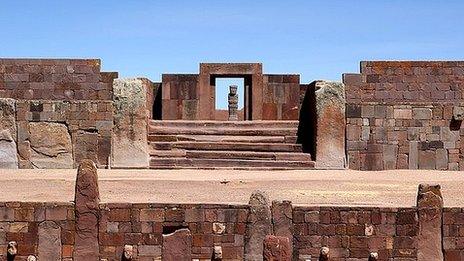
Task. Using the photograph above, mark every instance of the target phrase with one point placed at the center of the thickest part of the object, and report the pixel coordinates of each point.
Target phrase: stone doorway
(231, 106)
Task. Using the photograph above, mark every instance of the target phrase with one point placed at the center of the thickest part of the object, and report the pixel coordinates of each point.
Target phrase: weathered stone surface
(324, 254)
(128, 253)
(87, 213)
(258, 226)
(277, 248)
(177, 246)
(131, 114)
(51, 145)
(282, 220)
(217, 253)
(430, 208)
(426, 159)
(330, 140)
(8, 152)
(49, 247)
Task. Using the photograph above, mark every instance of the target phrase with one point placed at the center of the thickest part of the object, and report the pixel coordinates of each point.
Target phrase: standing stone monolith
(282, 220)
(233, 103)
(177, 246)
(87, 199)
(330, 126)
(430, 210)
(8, 147)
(131, 113)
(258, 226)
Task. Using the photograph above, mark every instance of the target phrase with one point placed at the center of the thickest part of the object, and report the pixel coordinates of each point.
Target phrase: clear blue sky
(318, 39)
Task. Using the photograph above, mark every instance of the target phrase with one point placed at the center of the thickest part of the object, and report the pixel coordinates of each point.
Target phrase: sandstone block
(131, 114)
(177, 246)
(51, 145)
(49, 247)
(277, 248)
(282, 220)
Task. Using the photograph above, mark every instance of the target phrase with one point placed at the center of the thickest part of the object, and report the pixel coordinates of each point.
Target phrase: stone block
(277, 248)
(177, 246)
(130, 145)
(49, 245)
(51, 145)
(458, 113)
(402, 114)
(330, 110)
(422, 113)
(427, 159)
(282, 220)
(441, 159)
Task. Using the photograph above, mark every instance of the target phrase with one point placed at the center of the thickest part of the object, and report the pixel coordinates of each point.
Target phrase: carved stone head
(128, 252)
(12, 248)
(233, 90)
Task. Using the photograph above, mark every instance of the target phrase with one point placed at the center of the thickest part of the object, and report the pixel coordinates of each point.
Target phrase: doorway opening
(221, 88)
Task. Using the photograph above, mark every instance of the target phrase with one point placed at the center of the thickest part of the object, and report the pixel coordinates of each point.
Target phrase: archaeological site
(66, 120)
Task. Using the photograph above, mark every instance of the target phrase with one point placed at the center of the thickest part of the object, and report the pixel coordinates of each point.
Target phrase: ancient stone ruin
(66, 113)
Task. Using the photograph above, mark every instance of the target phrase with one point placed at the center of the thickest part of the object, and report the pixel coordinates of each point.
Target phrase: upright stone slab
(277, 248)
(87, 213)
(282, 220)
(330, 139)
(258, 226)
(8, 151)
(177, 246)
(49, 247)
(131, 114)
(430, 209)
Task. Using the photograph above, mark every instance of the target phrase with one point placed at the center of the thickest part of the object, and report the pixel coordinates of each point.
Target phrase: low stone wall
(260, 230)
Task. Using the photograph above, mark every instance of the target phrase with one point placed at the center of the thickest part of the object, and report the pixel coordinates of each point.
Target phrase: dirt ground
(312, 187)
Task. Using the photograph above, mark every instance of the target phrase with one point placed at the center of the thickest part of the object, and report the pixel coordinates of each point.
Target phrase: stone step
(227, 163)
(223, 138)
(231, 131)
(236, 146)
(223, 124)
(248, 155)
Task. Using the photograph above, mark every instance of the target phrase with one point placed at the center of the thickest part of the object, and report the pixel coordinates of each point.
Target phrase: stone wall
(405, 115)
(62, 112)
(281, 99)
(453, 233)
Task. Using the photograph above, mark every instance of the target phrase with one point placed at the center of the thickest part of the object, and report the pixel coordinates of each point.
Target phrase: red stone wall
(352, 233)
(281, 100)
(20, 222)
(180, 96)
(453, 233)
(55, 79)
(400, 116)
(142, 225)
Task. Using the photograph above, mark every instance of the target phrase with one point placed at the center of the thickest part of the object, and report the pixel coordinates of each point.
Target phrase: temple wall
(63, 111)
(405, 115)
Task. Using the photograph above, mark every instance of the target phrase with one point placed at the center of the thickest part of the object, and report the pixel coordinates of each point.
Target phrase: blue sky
(318, 39)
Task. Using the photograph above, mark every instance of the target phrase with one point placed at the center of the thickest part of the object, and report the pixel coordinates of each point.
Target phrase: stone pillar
(330, 126)
(177, 246)
(49, 247)
(8, 154)
(430, 210)
(233, 103)
(277, 248)
(258, 225)
(87, 199)
(282, 220)
(131, 115)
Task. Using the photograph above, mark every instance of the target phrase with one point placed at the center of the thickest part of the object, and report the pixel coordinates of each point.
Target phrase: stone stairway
(252, 145)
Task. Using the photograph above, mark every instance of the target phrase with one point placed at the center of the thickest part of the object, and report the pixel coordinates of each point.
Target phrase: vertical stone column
(282, 220)
(8, 154)
(87, 199)
(430, 210)
(258, 225)
(233, 103)
(131, 115)
(330, 114)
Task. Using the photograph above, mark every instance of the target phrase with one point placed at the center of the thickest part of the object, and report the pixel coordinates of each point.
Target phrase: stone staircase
(255, 145)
